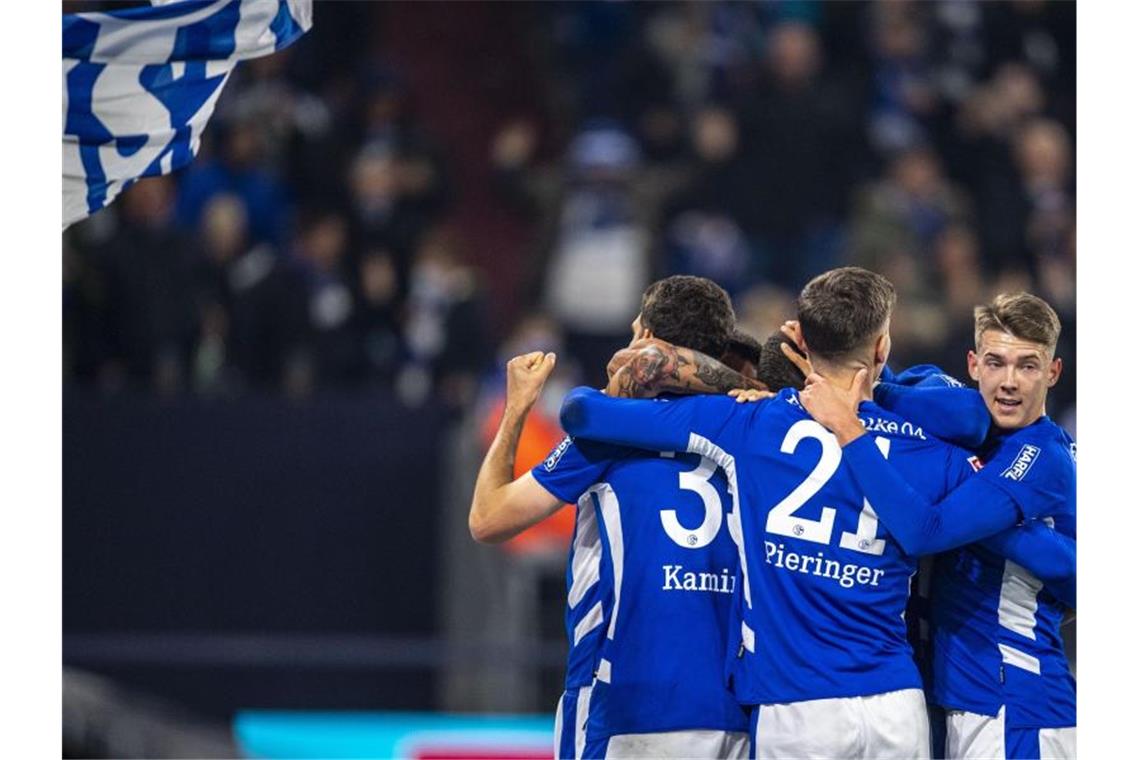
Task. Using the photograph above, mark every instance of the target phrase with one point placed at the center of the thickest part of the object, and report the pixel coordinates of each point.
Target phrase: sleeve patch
(552, 460)
(975, 463)
(1022, 462)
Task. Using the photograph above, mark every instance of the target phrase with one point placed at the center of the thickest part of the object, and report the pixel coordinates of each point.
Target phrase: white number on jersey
(782, 519)
(698, 481)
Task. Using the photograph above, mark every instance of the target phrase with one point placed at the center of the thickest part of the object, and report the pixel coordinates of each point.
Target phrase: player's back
(997, 628)
(654, 558)
(825, 586)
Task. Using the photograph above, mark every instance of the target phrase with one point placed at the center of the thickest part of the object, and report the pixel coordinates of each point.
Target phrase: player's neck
(843, 375)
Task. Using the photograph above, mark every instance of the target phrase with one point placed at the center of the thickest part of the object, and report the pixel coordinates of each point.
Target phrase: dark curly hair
(742, 353)
(693, 312)
(774, 369)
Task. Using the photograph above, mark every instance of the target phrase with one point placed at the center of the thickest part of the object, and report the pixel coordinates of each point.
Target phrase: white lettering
(679, 579)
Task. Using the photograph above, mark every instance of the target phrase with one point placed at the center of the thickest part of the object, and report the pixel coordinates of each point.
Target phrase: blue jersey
(997, 628)
(651, 578)
(997, 635)
(824, 588)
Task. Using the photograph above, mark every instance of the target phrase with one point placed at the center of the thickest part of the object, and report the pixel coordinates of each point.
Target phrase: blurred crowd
(319, 241)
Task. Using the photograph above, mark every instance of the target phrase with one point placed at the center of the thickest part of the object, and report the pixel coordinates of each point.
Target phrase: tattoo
(654, 364)
(662, 367)
(716, 377)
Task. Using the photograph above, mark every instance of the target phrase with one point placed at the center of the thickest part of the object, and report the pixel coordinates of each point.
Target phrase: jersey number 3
(696, 480)
(782, 519)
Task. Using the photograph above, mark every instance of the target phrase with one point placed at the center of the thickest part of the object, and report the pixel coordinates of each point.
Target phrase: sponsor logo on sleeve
(1022, 462)
(976, 463)
(552, 460)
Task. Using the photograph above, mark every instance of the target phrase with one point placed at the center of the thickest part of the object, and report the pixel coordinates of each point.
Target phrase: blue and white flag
(139, 85)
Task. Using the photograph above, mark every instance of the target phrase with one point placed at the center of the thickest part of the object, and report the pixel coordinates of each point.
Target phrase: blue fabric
(975, 590)
(566, 748)
(938, 402)
(141, 83)
(1022, 743)
(824, 588)
(655, 526)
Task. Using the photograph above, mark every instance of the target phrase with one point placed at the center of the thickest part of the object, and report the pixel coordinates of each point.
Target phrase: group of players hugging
(786, 550)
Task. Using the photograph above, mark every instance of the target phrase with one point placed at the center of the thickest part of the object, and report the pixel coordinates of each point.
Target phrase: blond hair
(1022, 315)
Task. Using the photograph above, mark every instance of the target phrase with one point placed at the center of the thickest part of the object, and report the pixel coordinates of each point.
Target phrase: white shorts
(570, 737)
(673, 744)
(880, 726)
(970, 736)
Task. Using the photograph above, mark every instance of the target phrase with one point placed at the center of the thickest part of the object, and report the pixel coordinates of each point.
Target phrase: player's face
(1013, 376)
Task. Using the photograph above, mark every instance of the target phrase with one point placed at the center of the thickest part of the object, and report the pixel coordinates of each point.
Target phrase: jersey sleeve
(572, 467)
(973, 510)
(953, 413)
(1037, 474)
(1050, 555)
(653, 424)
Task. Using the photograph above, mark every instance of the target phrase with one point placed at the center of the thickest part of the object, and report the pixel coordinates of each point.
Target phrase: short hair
(841, 310)
(776, 370)
(1022, 315)
(743, 346)
(687, 311)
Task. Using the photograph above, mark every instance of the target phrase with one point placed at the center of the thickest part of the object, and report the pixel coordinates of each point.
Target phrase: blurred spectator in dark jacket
(377, 316)
(445, 326)
(149, 315)
(985, 160)
(905, 213)
(804, 148)
(904, 95)
(381, 216)
(705, 221)
(1045, 160)
(321, 257)
(251, 306)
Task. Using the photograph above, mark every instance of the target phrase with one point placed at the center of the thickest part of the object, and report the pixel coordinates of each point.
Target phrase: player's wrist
(516, 412)
(849, 431)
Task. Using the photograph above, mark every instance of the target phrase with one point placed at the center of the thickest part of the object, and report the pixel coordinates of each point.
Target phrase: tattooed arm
(650, 367)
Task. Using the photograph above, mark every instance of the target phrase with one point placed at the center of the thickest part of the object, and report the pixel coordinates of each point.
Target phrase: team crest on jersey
(1022, 462)
(552, 460)
(976, 463)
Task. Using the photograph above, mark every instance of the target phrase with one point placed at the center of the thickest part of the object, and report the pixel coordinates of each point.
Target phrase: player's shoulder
(1044, 439)
(926, 376)
(572, 453)
(883, 422)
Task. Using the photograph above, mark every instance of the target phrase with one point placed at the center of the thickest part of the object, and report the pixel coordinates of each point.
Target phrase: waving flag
(139, 85)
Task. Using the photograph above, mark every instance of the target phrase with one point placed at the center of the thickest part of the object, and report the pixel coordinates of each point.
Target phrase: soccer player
(821, 648)
(651, 574)
(1000, 668)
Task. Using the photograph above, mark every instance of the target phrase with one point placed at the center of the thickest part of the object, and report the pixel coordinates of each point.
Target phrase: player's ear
(882, 348)
(1054, 371)
(972, 365)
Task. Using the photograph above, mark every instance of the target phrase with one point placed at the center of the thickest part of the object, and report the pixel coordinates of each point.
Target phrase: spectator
(149, 314)
(803, 147)
(445, 329)
(239, 170)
